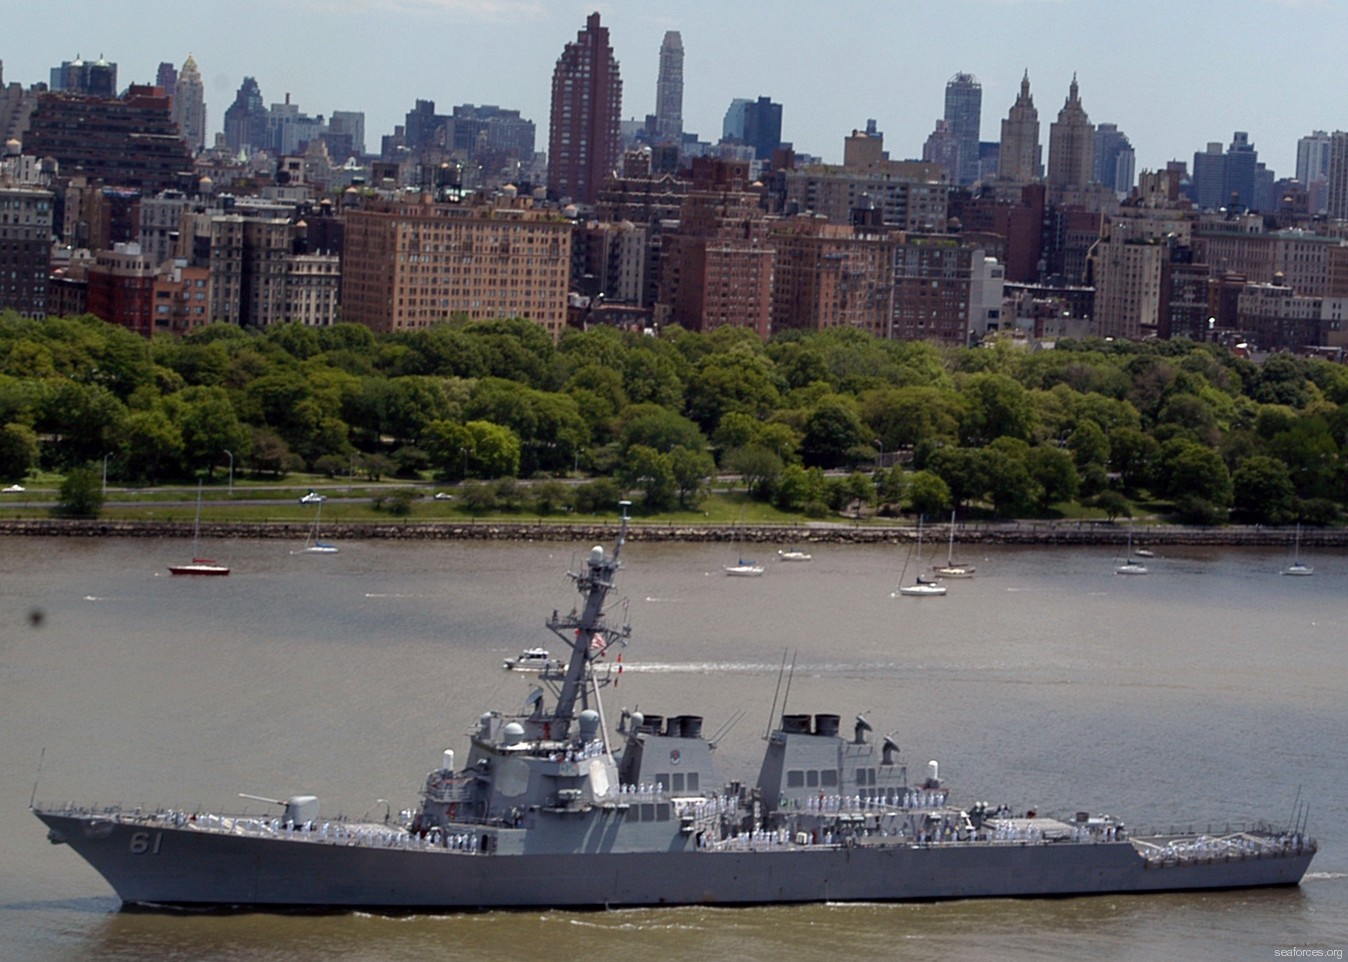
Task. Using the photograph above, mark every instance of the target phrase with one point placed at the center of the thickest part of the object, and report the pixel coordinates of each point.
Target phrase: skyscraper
(1114, 159)
(964, 112)
(1313, 158)
(669, 90)
(1338, 175)
(246, 118)
(1071, 145)
(755, 123)
(1019, 157)
(585, 140)
(1238, 175)
(167, 77)
(189, 105)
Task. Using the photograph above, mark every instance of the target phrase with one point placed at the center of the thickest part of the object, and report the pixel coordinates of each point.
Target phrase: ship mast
(584, 629)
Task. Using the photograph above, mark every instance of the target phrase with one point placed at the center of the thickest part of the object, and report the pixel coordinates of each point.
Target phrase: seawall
(1010, 532)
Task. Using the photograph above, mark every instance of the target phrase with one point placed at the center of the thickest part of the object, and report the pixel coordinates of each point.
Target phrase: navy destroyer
(551, 809)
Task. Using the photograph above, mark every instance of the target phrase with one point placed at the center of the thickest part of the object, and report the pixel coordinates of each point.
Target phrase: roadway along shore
(806, 533)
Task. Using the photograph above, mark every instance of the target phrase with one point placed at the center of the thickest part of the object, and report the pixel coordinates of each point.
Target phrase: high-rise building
(1313, 158)
(763, 127)
(189, 105)
(942, 148)
(1239, 172)
(78, 76)
(964, 112)
(422, 125)
(669, 90)
(1114, 159)
(832, 275)
(349, 123)
(25, 249)
(411, 264)
(1071, 145)
(718, 262)
(585, 136)
(167, 77)
(754, 123)
(1019, 157)
(487, 131)
(246, 119)
(1209, 178)
(131, 142)
(1337, 202)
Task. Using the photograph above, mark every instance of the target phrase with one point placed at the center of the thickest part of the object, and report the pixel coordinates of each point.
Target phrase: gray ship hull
(168, 865)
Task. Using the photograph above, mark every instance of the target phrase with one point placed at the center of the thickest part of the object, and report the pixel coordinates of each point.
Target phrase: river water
(1210, 692)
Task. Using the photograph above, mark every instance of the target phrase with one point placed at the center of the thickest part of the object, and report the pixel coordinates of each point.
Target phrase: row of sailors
(908, 798)
(339, 834)
(591, 749)
(1205, 846)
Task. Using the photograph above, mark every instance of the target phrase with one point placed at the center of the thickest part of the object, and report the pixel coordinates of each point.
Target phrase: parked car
(313, 497)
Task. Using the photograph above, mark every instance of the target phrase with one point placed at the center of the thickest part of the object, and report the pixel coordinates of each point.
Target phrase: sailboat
(1130, 565)
(1297, 567)
(922, 587)
(743, 568)
(198, 564)
(951, 568)
(314, 544)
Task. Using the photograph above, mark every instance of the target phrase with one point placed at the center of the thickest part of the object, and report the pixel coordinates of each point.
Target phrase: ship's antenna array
(772, 712)
(42, 755)
(725, 729)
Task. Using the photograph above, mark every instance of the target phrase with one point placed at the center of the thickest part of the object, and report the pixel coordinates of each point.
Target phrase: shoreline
(999, 532)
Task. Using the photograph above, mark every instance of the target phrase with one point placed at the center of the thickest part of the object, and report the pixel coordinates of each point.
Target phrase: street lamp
(105, 473)
(231, 472)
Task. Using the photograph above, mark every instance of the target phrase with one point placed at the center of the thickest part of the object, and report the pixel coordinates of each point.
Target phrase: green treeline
(1011, 432)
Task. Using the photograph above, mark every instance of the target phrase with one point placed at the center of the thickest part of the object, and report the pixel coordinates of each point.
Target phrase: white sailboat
(198, 565)
(922, 587)
(793, 554)
(1297, 567)
(743, 568)
(952, 568)
(1130, 565)
(314, 544)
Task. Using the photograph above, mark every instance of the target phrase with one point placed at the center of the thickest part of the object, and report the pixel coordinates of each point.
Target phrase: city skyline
(1189, 75)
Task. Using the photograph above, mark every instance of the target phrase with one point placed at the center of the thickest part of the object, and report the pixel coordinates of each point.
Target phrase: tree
(998, 407)
(495, 450)
(81, 494)
(1191, 471)
(799, 487)
(759, 468)
(964, 471)
(659, 428)
(18, 451)
(1113, 504)
(1052, 469)
(153, 445)
(692, 472)
(1011, 488)
(1263, 492)
(832, 429)
(550, 496)
(928, 494)
(649, 471)
(1135, 456)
